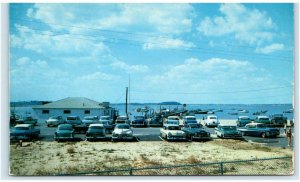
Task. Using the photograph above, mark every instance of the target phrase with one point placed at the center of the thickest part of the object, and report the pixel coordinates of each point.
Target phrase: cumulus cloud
(98, 76)
(270, 48)
(167, 43)
(246, 25)
(129, 68)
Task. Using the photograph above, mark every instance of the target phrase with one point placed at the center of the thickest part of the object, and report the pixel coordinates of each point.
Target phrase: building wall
(42, 116)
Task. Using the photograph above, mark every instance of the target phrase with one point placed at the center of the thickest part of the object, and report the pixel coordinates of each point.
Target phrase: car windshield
(192, 121)
(173, 118)
(195, 126)
(244, 118)
(261, 126)
(71, 118)
(228, 127)
(173, 128)
(64, 127)
(212, 117)
(53, 117)
(96, 127)
(173, 122)
(138, 117)
(22, 128)
(264, 119)
(122, 118)
(123, 126)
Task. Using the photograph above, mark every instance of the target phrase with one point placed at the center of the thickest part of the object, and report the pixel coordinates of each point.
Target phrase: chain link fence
(259, 167)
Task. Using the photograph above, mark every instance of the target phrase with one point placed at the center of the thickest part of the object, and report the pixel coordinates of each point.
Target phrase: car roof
(101, 125)
(212, 116)
(166, 125)
(23, 125)
(173, 117)
(225, 125)
(172, 120)
(244, 117)
(65, 125)
(262, 117)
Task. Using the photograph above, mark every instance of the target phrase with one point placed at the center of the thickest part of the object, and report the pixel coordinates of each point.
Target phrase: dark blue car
(259, 130)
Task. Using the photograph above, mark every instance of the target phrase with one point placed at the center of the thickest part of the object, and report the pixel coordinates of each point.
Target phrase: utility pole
(126, 109)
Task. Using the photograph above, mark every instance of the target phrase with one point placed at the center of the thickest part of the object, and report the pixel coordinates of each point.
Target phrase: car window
(22, 128)
(173, 128)
(123, 126)
(64, 127)
(212, 117)
(229, 127)
(96, 127)
(71, 118)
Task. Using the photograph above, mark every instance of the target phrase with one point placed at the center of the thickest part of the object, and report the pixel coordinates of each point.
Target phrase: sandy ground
(50, 158)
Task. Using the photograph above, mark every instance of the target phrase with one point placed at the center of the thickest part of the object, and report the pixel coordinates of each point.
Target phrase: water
(227, 108)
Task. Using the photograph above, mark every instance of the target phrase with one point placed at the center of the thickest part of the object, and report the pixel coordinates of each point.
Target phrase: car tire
(263, 135)
(48, 125)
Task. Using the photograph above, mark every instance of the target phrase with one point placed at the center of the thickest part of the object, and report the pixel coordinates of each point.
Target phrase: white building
(74, 106)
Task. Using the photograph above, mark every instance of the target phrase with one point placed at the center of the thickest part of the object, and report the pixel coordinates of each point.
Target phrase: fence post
(221, 168)
(130, 172)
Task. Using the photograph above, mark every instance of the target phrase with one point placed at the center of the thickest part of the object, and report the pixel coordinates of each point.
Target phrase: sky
(190, 53)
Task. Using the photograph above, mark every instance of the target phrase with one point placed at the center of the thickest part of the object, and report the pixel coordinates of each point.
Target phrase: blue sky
(191, 53)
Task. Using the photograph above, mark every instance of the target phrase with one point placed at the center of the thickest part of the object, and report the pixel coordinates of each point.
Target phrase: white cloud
(129, 68)
(270, 48)
(166, 43)
(22, 61)
(246, 25)
(98, 76)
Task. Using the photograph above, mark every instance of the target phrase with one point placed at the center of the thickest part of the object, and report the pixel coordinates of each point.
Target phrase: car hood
(13, 131)
(175, 132)
(52, 120)
(230, 131)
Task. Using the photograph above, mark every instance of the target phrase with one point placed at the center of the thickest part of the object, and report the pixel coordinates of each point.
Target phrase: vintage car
(195, 132)
(64, 132)
(262, 119)
(138, 121)
(87, 120)
(122, 131)
(227, 131)
(24, 132)
(73, 120)
(55, 121)
(95, 131)
(243, 120)
(27, 120)
(106, 118)
(189, 120)
(155, 121)
(172, 132)
(122, 120)
(278, 120)
(259, 130)
(211, 121)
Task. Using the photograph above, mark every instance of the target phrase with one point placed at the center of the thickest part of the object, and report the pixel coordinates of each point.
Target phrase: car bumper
(125, 137)
(232, 136)
(24, 137)
(201, 137)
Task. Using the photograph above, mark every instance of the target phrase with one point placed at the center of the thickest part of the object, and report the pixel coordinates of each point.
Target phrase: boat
(243, 111)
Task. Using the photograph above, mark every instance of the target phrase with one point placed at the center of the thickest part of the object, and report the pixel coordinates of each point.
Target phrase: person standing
(289, 136)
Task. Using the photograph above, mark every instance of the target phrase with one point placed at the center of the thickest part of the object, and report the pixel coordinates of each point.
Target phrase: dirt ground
(52, 158)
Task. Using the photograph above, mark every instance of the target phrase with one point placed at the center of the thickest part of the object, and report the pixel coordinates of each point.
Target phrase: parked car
(189, 120)
(138, 121)
(211, 121)
(243, 120)
(278, 120)
(173, 118)
(107, 125)
(259, 130)
(87, 120)
(262, 119)
(95, 131)
(64, 131)
(227, 131)
(195, 132)
(73, 120)
(27, 120)
(122, 131)
(24, 132)
(122, 120)
(155, 121)
(106, 118)
(172, 132)
(55, 121)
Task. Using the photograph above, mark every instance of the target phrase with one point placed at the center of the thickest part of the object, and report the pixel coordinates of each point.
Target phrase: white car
(55, 121)
(172, 132)
(122, 131)
(211, 121)
(87, 120)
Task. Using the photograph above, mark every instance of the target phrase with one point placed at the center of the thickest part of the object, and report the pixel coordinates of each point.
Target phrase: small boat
(243, 111)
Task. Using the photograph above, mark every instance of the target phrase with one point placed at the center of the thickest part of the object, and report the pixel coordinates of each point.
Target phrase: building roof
(72, 103)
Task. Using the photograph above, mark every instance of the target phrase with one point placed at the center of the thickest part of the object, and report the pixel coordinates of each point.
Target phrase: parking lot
(152, 134)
